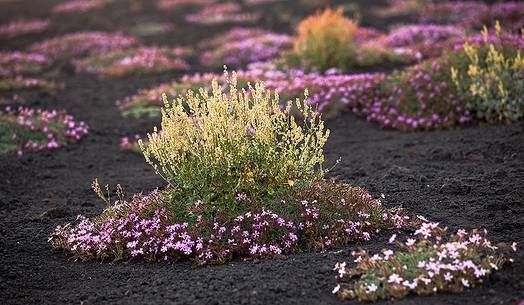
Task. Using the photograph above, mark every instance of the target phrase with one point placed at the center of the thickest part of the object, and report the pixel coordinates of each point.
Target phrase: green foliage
(493, 78)
(214, 147)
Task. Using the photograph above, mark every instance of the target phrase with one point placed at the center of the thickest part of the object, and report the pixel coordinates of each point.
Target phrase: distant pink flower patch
(222, 13)
(21, 83)
(82, 44)
(16, 63)
(465, 13)
(425, 40)
(144, 229)
(510, 15)
(19, 28)
(134, 61)
(35, 130)
(172, 4)
(79, 6)
(257, 2)
(246, 50)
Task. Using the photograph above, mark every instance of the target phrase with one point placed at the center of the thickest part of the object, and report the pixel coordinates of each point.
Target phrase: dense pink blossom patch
(465, 13)
(426, 40)
(33, 130)
(16, 63)
(257, 2)
(19, 82)
(145, 228)
(510, 14)
(472, 14)
(332, 93)
(172, 4)
(428, 262)
(222, 13)
(18, 28)
(79, 6)
(243, 51)
(82, 44)
(132, 61)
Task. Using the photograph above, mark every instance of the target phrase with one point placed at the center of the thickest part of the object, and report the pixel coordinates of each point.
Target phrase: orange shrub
(326, 40)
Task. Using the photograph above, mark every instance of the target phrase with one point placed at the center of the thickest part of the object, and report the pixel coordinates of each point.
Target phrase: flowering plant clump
(257, 2)
(481, 80)
(510, 14)
(429, 262)
(140, 60)
(330, 94)
(167, 5)
(236, 142)
(82, 44)
(79, 6)
(426, 40)
(130, 143)
(152, 28)
(493, 78)
(149, 228)
(222, 13)
(233, 35)
(18, 83)
(16, 63)
(245, 51)
(245, 180)
(149, 101)
(24, 129)
(326, 40)
(469, 14)
(19, 28)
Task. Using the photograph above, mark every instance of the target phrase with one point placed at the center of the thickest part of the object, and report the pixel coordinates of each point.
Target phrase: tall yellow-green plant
(215, 146)
(494, 79)
(326, 40)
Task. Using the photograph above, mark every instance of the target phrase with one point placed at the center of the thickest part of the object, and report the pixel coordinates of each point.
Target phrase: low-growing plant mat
(466, 177)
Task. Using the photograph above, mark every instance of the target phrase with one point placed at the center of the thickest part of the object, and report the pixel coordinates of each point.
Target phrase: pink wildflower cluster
(16, 63)
(82, 44)
(243, 51)
(428, 262)
(172, 4)
(257, 2)
(139, 60)
(222, 13)
(19, 28)
(130, 143)
(425, 40)
(472, 14)
(19, 82)
(510, 14)
(79, 6)
(421, 97)
(35, 130)
(152, 28)
(145, 228)
(501, 40)
(465, 13)
(332, 93)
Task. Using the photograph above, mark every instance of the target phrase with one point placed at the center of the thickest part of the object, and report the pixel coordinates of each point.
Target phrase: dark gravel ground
(467, 177)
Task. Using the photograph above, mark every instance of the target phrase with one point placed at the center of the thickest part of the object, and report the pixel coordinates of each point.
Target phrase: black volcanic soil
(470, 177)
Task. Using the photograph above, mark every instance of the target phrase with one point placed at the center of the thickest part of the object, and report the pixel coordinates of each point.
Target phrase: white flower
(465, 282)
(371, 288)
(336, 289)
(392, 238)
(394, 278)
(410, 242)
(448, 277)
